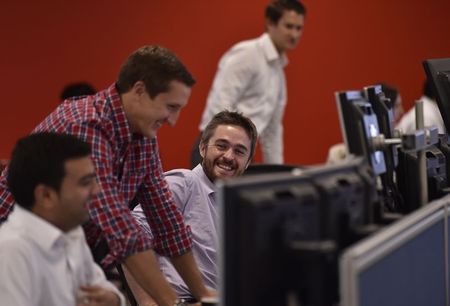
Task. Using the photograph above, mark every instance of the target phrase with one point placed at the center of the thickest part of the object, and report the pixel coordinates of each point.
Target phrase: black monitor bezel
(436, 70)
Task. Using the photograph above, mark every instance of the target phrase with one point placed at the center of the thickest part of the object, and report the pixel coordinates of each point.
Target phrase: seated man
(44, 257)
(227, 146)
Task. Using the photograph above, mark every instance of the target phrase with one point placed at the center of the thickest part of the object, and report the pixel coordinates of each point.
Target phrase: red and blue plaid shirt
(127, 165)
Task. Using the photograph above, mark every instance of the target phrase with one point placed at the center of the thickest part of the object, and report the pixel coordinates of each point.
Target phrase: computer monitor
(403, 264)
(438, 74)
(384, 111)
(358, 125)
(281, 233)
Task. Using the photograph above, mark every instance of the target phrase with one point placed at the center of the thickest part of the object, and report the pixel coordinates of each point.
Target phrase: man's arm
(271, 139)
(6, 198)
(187, 268)
(142, 298)
(145, 271)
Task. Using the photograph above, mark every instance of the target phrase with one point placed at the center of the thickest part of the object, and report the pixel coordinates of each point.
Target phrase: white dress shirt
(431, 114)
(250, 79)
(41, 265)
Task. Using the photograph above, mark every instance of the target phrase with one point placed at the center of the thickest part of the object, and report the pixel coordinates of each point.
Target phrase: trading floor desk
(406, 263)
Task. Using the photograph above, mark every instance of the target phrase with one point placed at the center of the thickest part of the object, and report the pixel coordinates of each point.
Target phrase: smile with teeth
(225, 167)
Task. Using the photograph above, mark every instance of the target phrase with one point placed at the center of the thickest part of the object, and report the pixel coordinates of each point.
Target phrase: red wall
(346, 45)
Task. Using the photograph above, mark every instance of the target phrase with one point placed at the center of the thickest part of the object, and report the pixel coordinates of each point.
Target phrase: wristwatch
(180, 302)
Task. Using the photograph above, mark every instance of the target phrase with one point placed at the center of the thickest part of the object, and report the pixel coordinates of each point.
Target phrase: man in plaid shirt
(120, 123)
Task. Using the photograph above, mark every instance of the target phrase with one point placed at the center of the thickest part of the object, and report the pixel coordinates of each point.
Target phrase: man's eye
(221, 146)
(239, 153)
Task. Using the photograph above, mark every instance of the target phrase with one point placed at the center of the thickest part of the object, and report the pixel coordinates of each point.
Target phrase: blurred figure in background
(396, 99)
(76, 90)
(431, 113)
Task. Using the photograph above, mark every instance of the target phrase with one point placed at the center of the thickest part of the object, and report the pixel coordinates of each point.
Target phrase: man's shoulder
(184, 174)
(246, 49)
(13, 243)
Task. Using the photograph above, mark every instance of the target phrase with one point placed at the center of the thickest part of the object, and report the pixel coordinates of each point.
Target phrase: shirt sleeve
(108, 210)
(6, 198)
(171, 236)
(97, 275)
(272, 137)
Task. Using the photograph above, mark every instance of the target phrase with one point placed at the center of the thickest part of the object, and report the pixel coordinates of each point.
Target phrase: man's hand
(97, 296)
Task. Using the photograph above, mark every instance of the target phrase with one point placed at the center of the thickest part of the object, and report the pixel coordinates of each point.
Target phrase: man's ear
(269, 23)
(139, 88)
(44, 196)
(202, 149)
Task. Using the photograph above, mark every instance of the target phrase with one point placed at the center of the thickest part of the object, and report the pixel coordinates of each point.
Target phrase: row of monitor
(403, 264)
(283, 233)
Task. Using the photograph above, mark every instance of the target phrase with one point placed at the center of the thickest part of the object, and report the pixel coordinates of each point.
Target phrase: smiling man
(120, 123)
(250, 78)
(227, 147)
(45, 260)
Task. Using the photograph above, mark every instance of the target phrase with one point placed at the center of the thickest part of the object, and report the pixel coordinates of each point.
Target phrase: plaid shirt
(127, 165)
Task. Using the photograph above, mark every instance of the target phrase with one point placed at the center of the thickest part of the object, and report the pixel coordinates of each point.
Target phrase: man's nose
(229, 154)
(173, 118)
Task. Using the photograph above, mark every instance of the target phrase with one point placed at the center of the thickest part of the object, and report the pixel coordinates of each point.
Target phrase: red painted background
(346, 45)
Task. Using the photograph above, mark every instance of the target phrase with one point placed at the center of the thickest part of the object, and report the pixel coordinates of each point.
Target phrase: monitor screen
(281, 233)
(358, 125)
(403, 264)
(438, 74)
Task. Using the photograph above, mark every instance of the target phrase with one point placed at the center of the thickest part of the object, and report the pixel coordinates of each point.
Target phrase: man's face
(79, 185)
(286, 33)
(147, 115)
(227, 152)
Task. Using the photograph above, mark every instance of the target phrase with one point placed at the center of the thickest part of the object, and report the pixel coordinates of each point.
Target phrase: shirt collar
(210, 186)
(270, 51)
(43, 233)
(121, 127)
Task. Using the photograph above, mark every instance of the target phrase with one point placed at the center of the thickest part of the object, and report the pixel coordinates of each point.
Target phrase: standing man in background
(120, 123)
(250, 78)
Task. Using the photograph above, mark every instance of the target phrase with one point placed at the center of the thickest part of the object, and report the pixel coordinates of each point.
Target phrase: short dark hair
(76, 90)
(276, 8)
(156, 66)
(231, 118)
(39, 159)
